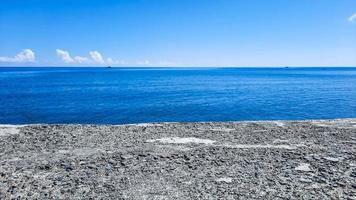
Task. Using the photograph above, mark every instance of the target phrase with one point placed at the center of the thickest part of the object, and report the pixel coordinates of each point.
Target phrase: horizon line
(43, 66)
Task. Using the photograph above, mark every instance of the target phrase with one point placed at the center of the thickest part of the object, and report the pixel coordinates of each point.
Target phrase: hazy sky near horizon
(178, 33)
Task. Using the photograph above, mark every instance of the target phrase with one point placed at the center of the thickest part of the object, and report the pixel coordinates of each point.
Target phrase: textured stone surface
(242, 160)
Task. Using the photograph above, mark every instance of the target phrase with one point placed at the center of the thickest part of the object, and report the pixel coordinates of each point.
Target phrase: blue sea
(138, 95)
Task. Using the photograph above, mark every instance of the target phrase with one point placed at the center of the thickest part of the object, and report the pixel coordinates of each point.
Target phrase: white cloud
(81, 60)
(26, 55)
(97, 57)
(156, 63)
(65, 56)
(352, 18)
(110, 61)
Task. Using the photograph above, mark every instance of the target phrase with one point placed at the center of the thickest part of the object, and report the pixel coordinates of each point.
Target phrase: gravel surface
(237, 160)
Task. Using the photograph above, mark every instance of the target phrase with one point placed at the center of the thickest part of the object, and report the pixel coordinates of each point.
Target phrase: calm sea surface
(135, 95)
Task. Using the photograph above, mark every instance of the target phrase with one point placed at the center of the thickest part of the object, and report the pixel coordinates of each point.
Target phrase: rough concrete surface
(232, 160)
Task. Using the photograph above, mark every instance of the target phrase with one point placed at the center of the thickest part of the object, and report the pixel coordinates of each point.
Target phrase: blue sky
(178, 33)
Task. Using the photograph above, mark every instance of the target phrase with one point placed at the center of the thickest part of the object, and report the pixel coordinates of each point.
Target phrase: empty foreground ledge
(266, 159)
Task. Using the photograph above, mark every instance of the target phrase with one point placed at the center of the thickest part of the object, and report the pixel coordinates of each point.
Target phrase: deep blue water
(135, 95)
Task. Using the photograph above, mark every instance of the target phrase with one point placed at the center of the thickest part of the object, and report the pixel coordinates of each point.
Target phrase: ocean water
(137, 95)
